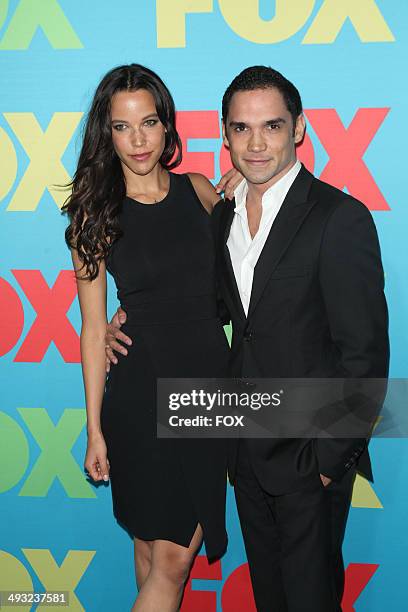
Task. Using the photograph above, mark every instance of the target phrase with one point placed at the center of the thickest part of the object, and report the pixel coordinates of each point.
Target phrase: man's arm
(112, 337)
(352, 284)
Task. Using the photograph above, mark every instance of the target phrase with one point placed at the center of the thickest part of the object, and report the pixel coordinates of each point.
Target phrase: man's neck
(257, 190)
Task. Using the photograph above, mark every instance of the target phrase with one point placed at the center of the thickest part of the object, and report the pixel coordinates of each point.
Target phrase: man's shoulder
(331, 199)
(218, 216)
(222, 209)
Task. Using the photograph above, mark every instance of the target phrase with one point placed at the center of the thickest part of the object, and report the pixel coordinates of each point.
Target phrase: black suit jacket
(317, 309)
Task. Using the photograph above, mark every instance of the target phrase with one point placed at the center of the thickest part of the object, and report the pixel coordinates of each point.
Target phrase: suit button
(248, 335)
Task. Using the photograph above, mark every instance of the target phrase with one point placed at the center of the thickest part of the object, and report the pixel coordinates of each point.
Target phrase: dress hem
(212, 555)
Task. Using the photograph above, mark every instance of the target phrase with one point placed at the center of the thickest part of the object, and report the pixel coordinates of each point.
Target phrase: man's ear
(300, 128)
(224, 135)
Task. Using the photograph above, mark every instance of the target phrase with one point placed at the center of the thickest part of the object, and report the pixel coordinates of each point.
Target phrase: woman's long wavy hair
(98, 186)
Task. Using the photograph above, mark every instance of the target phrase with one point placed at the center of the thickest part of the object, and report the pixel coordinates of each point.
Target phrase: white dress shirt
(244, 250)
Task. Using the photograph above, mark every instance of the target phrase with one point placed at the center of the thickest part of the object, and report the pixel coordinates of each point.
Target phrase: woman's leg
(170, 566)
(143, 560)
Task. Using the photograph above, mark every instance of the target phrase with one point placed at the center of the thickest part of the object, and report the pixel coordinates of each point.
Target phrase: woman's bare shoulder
(204, 190)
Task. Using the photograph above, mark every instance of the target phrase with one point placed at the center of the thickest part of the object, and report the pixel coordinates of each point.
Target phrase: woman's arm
(210, 195)
(204, 190)
(92, 301)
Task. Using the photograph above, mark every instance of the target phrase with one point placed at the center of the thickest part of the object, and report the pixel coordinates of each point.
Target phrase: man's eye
(239, 128)
(274, 126)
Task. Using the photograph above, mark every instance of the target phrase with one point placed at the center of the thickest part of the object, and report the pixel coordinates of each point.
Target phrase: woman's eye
(151, 122)
(119, 127)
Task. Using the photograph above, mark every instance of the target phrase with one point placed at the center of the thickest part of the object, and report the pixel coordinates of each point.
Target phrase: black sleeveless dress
(164, 269)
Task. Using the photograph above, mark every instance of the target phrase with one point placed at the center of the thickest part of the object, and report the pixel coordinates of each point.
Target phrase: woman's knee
(174, 565)
(143, 552)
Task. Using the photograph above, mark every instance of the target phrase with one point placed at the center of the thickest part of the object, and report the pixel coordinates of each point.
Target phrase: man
(301, 276)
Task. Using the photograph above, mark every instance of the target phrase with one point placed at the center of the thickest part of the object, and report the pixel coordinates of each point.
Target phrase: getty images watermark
(282, 408)
(217, 400)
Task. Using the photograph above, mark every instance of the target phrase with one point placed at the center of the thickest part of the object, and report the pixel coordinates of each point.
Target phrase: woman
(150, 228)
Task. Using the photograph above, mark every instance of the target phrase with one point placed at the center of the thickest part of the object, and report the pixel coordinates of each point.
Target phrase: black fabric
(317, 309)
(164, 270)
(293, 541)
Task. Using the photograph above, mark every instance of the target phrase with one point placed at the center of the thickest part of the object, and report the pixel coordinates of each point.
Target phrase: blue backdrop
(348, 60)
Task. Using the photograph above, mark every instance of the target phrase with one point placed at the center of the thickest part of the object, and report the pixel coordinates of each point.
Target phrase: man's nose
(257, 141)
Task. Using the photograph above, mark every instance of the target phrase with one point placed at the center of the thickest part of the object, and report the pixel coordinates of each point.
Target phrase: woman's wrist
(94, 431)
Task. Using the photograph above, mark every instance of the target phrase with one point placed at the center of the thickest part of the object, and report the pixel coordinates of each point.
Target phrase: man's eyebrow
(275, 121)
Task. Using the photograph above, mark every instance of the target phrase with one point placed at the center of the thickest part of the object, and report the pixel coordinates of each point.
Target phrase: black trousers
(293, 542)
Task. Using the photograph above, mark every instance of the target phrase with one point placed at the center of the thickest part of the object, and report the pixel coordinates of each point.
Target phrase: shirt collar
(240, 194)
(276, 192)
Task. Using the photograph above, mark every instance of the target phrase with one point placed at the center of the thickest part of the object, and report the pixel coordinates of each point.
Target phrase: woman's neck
(151, 187)
(154, 181)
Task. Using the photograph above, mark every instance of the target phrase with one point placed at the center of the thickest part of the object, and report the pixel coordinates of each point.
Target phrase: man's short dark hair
(263, 77)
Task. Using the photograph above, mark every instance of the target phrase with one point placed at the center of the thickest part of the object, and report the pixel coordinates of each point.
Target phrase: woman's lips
(140, 156)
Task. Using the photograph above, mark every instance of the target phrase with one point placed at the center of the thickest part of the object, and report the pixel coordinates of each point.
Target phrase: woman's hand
(228, 183)
(96, 460)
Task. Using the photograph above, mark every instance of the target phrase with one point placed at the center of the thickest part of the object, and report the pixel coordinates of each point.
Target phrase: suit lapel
(228, 270)
(292, 213)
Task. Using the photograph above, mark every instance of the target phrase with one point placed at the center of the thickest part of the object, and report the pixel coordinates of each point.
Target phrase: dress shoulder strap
(193, 192)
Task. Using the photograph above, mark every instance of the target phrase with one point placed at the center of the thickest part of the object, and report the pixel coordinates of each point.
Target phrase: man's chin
(256, 178)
